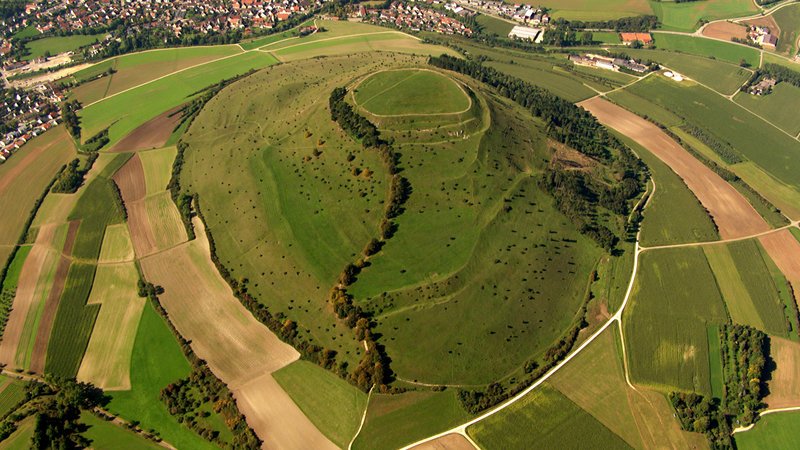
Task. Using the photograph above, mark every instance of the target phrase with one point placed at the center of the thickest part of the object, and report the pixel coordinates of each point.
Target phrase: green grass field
(137, 68)
(549, 419)
(396, 420)
(157, 166)
(29, 31)
(788, 19)
(774, 106)
(493, 25)
(333, 405)
(12, 392)
(15, 268)
(401, 92)
(775, 431)
(675, 298)
(595, 9)
(59, 44)
(686, 16)
(747, 287)
(96, 209)
(785, 291)
(719, 75)
(707, 48)
(105, 435)
(122, 113)
(671, 199)
(156, 361)
(721, 117)
(73, 323)
(715, 362)
(377, 40)
(21, 438)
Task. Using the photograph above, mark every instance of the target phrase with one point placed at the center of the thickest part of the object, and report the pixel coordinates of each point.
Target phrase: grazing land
(122, 113)
(23, 179)
(408, 92)
(106, 363)
(775, 431)
(60, 44)
(107, 435)
(788, 21)
(396, 420)
(708, 48)
(665, 325)
(773, 107)
(597, 10)
(493, 25)
(784, 387)
(137, 68)
(558, 423)
(686, 16)
(332, 404)
(731, 212)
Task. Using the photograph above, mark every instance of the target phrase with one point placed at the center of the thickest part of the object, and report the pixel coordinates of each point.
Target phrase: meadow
(58, 44)
(122, 113)
(11, 393)
(788, 20)
(686, 16)
(21, 438)
(674, 299)
(493, 25)
(558, 423)
(107, 435)
(775, 431)
(747, 286)
(707, 48)
(24, 178)
(717, 74)
(404, 92)
(721, 117)
(331, 403)
(156, 361)
(384, 40)
(596, 10)
(396, 420)
(773, 107)
(138, 68)
(671, 199)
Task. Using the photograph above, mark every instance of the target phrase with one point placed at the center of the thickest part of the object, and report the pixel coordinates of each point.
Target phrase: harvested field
(276, 418)
(448, 442)
(784, 387)
(784, 250)
(203, 308)
(734, 216)
(725, 30)
(117, 245)
(29, 293)
(157, 166)
(152, 134)
(130, 179)
(107, 361)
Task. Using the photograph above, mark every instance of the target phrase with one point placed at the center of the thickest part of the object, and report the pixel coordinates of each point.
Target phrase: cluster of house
(604, 62)
(525, 14)
(763, 87)
(762, 36)
(31, 113)
(180, 16)
(417, 17)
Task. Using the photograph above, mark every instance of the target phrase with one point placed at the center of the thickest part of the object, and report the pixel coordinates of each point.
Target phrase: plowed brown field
(734, 216)
(152, 134)
(130, 179)
(448, 442)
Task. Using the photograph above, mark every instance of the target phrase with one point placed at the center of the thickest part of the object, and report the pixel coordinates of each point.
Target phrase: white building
(532, 34)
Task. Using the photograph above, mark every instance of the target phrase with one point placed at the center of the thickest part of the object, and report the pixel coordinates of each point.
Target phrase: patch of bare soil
(725, 30)
(152, 134)
(734, 216)
(452, 441)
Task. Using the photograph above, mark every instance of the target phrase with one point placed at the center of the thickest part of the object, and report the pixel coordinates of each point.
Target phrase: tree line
(69, 112)
(577, 194)
(72, 177)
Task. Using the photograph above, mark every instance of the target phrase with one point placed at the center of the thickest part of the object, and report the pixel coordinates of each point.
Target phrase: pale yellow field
(734, 292)
(157, 166)
(106, 363)
(117, 246)
(165, 220)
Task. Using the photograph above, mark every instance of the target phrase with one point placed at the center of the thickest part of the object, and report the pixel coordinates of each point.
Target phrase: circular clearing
(410, 91)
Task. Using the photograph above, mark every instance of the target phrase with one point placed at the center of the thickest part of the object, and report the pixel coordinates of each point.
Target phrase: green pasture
(106, 435)
(157, 360)
(670, 201)
(549, 420)
(774, 431)
(719, 75)
(401, 92)
(674, 299)
(788, 20)
(708, 48)
(400, 419)
(606, 37)
(775, 106)
(715, 371)
(747, 287)
(73, 323)
(687, 16)
(334, 29)
(493, 25)
(124, 112)
(21, 438)
(59, 44)
(27, 32)
(12, 392)
(333, 405)
(595, 9)
(384, 41)
(15, 268)
(747, 133)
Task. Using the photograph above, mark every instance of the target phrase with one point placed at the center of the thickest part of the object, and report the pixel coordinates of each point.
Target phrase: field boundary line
(764, 413)
(794, 223)
(363, 419)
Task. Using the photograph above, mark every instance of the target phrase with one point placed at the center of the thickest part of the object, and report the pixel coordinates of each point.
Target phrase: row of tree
(69, 113)
(72, 177)
(722, 148)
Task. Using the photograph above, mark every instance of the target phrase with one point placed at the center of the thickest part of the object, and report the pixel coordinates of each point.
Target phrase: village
(25, 115)
(416, 17)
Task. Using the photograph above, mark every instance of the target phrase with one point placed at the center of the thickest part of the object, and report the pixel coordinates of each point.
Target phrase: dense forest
(578, 195)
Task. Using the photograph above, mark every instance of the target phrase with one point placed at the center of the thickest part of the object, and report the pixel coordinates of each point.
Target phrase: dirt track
(152, 134)
(26, 294)
(276, 418)
(449, 442)
(734, 216)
